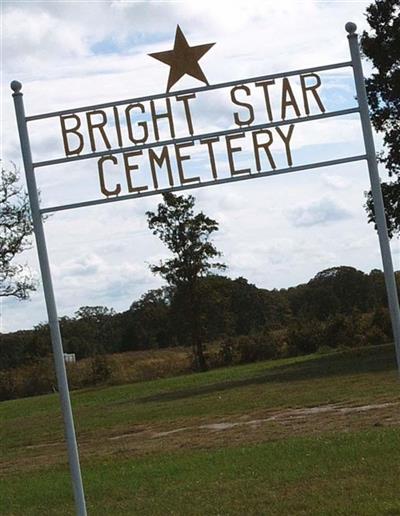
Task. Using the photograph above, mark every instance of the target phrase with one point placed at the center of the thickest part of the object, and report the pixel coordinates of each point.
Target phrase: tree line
(340, 306)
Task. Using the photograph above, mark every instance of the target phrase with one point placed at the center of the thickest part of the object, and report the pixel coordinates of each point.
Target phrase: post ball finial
(350, 27)
(16, 86)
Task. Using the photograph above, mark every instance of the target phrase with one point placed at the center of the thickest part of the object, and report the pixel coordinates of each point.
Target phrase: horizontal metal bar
(120, 150)
(320, 164)
(191, 90)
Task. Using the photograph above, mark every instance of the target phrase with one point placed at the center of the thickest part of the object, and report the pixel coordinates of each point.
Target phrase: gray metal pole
(69, 429)
(376, 190)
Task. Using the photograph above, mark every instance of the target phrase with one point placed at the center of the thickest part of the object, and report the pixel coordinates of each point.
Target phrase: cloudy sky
(277, 231)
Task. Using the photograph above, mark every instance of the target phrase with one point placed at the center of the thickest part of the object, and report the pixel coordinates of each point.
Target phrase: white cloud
(321, 212)
(336, 182)
(37, 39)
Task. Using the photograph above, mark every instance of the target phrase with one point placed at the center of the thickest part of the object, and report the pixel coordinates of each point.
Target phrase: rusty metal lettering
(263, 111)
(129, 168)
(104, 190)
(159, 160)
(231, 150)
(286, 140)
(117, 126)
(250, 119)
(185, 99)
(97, 125)
(288, 99)
(142, 125)
(209, 142)
(262, 145)
(264, 85)
(71, 130)
(313, 89)
(179, 158)
(156, 116)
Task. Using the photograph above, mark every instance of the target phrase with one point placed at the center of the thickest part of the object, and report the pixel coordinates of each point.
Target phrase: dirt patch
(203, 433)
(43, 445)
(170, 432)
(285, 415)
(220, 426)
(258, 427)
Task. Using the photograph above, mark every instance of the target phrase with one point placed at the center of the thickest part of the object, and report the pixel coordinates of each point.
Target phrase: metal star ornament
(183, 59)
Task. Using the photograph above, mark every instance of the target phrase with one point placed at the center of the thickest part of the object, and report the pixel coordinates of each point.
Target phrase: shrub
(246, 348)
(42, 378)
(227, 351)
(381, 319)
(8, 385)
(306, 336)
(29, 380)
(278, 340)
(100, 369)
(374, 336)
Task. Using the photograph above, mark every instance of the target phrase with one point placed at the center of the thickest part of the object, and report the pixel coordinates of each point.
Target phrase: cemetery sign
(142, 147)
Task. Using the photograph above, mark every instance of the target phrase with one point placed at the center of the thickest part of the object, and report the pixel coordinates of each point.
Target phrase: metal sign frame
(37, 212)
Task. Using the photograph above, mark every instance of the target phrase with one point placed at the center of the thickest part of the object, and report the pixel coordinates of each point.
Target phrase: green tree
(96, 322)
(382, 47)
(187, 236)
(147, 323)
(94, 314)
(15, 231)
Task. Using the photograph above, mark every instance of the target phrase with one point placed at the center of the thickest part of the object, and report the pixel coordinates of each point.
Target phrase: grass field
(316, 435)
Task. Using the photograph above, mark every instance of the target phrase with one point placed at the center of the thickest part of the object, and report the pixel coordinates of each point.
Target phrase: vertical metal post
(62, 381)
(376, 190)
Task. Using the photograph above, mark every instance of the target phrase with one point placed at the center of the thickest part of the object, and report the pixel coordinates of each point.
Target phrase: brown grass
(120, 368)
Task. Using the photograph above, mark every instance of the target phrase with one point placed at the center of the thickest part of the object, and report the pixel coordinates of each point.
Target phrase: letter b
(74, 130)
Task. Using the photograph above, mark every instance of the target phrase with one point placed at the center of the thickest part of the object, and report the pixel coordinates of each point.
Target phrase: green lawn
(275, 458)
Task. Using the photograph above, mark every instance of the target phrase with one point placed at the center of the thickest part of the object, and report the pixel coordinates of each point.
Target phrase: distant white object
(69, 358)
